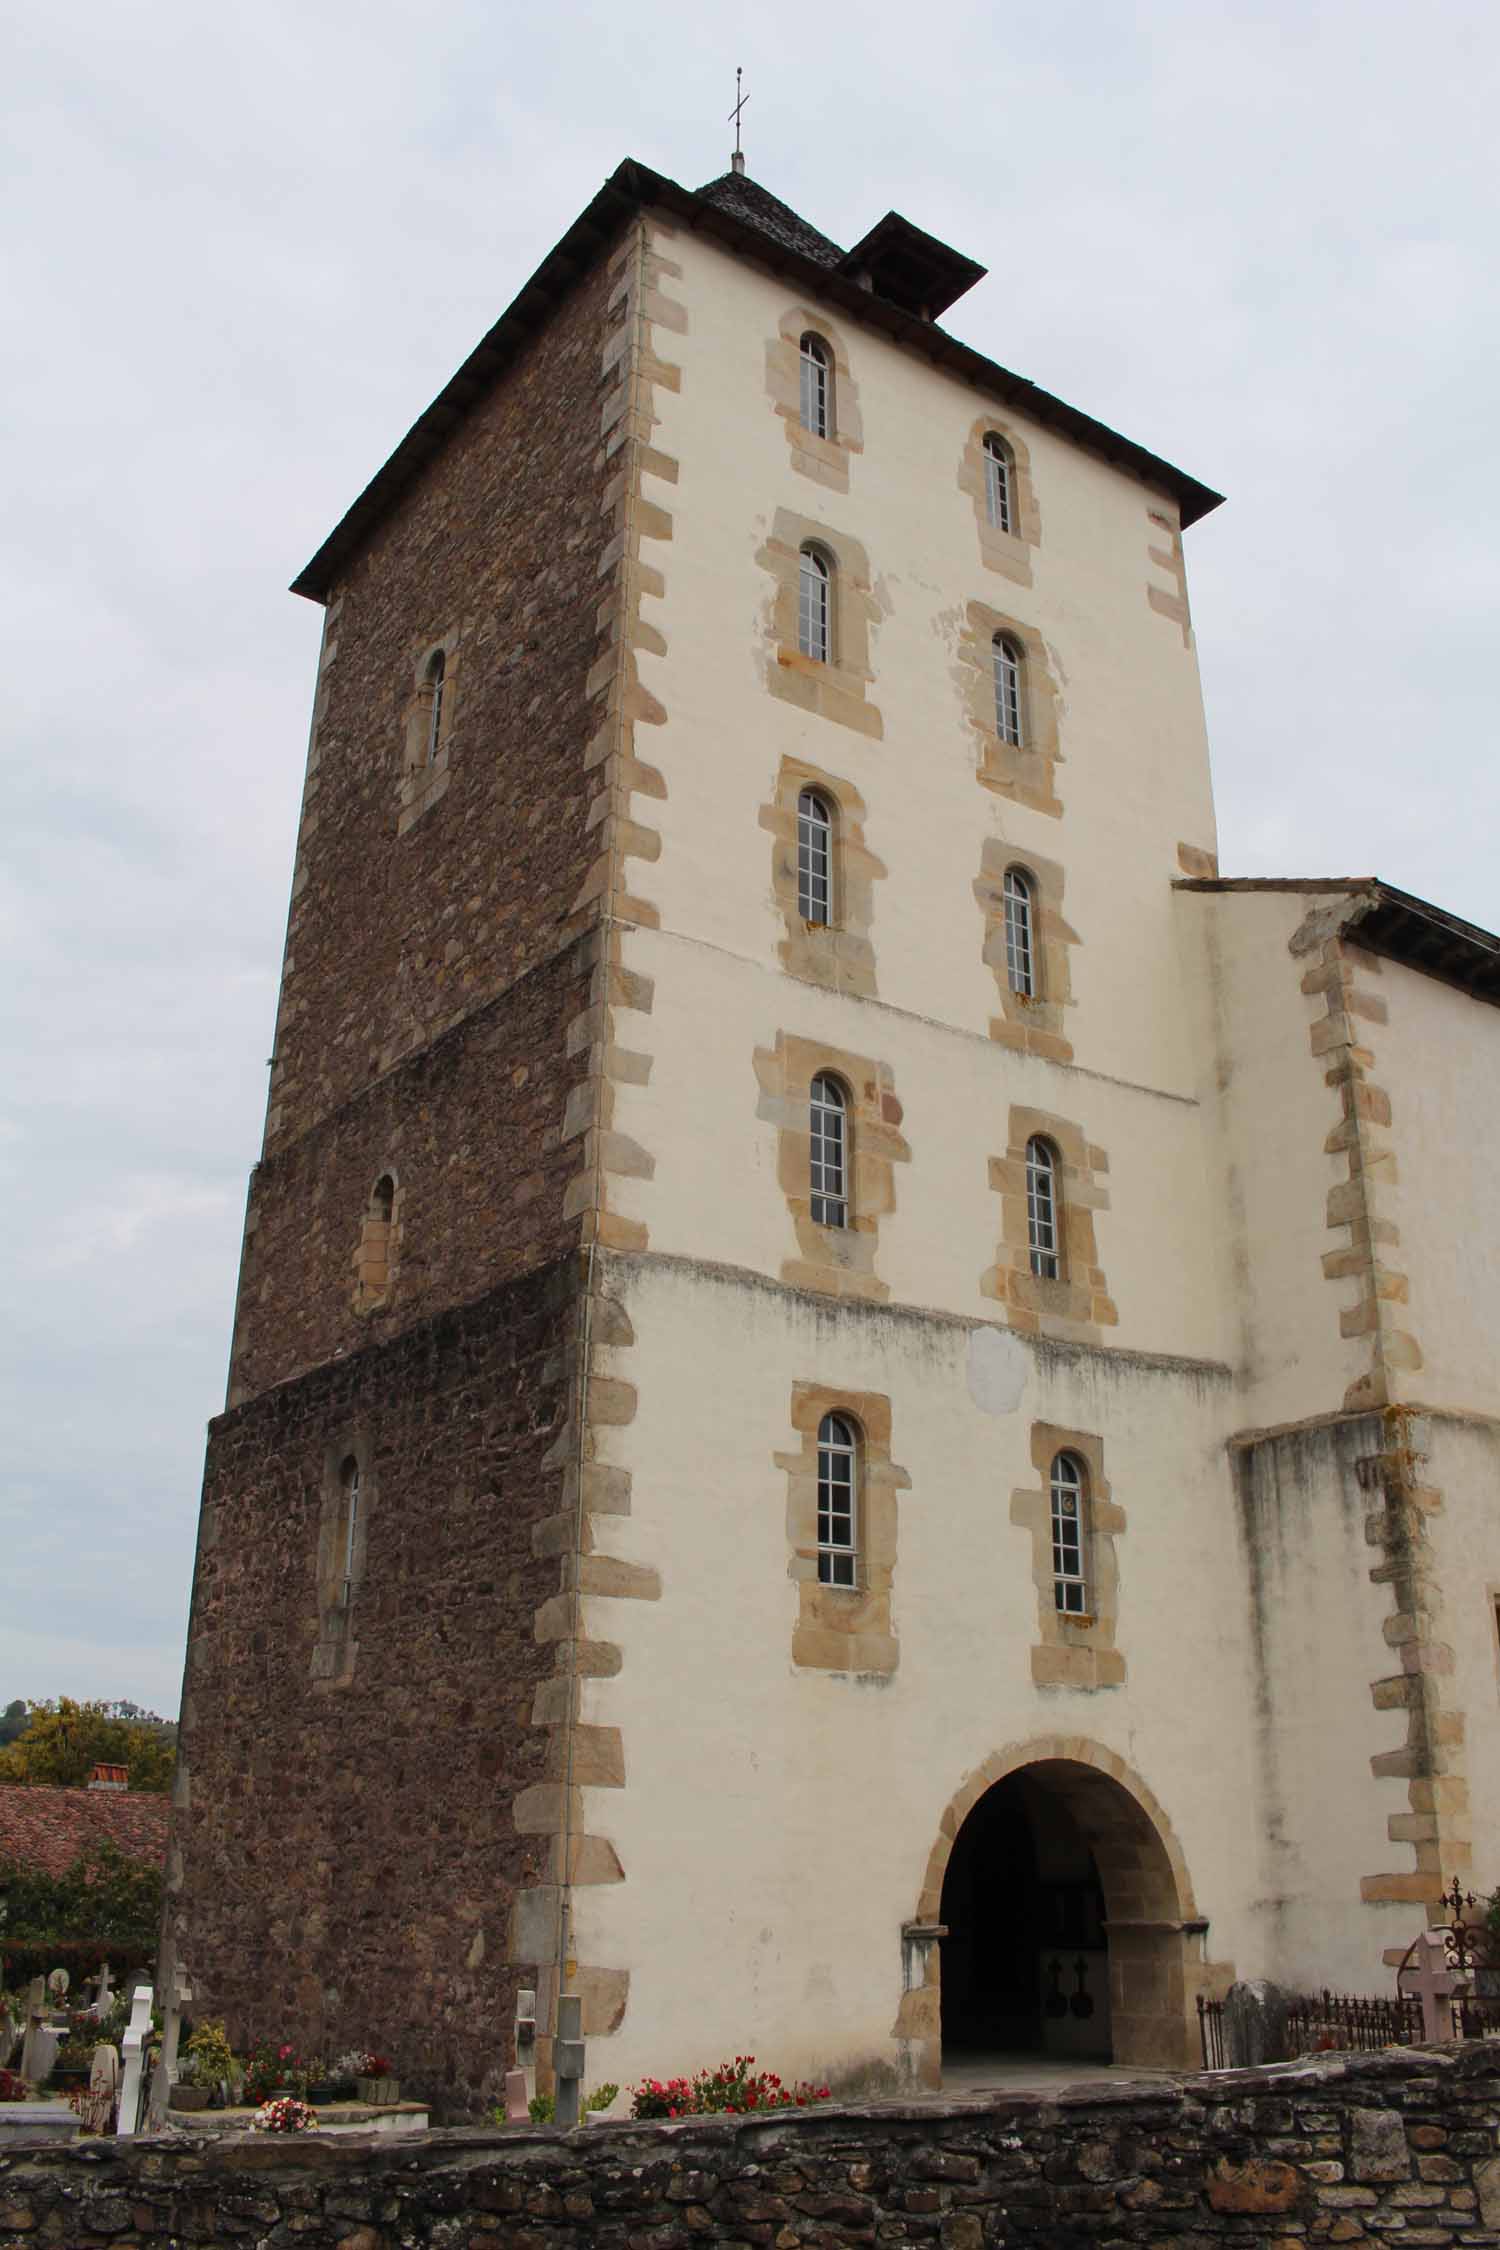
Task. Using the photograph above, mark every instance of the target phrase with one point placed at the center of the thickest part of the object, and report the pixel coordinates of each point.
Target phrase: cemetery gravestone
(137, 2033)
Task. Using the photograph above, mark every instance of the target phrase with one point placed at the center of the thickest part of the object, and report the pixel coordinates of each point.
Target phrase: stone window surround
(1032, 1026)
(843, 1628)
(377, 1254)
(838, 688)
(336, 1648)
(1008, 552)
(1070, 1650)
(424, 779)
(835, 1261)
(1026, 772)
(837, 955)
(1076, 1307)
(824, 459)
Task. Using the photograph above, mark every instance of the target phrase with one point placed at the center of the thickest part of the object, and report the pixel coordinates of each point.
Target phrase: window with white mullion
(829, 1153)
(351, 1530)
(815, 386)
(1007, 691)
(1069, 1575)
(997, 483)
(1020, 964)
(813, 606)
(814, 859)
(435, 675)
(1041, 1210)
(838, 1549)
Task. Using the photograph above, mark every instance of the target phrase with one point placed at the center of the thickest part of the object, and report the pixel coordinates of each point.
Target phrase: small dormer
(911, 269)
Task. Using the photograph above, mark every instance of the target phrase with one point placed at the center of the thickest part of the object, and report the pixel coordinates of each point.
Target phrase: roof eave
(632, 187)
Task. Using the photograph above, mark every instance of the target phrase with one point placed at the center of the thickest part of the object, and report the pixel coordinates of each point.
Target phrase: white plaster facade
(777, 1822)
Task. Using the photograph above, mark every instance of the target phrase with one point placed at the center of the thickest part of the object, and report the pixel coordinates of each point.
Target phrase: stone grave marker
(1428, 1974)
(38, 2044)
(180, 1993)
(1255, 2023)
(567, 2059)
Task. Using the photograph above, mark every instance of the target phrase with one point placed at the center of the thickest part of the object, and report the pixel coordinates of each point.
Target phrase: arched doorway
(1025, 1961)
(1068, 1918)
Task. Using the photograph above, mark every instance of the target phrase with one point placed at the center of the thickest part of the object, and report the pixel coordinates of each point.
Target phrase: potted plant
(374, 2083)
(340, 2076)
(272, 2070)
(206, 2069)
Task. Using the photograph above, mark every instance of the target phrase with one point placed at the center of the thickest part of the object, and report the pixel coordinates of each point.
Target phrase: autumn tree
(62, 1742)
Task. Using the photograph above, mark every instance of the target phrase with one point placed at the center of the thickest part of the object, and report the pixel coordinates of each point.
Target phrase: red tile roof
(48, 1828)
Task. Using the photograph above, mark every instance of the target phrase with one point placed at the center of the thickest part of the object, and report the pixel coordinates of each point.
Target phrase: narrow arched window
(1020, 952)
(814, 859)
(349, 1481)
(1041, 1210)
(830, 1152)
(1007, 689)
(383, 1200)
(436, 673)
(814, 605)
(838, 1514)
(999, 482)
(1070, 1586)
(817, 386)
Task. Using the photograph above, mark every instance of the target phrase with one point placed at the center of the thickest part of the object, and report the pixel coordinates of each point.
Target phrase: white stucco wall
(1438, 1057)
(776, 1822)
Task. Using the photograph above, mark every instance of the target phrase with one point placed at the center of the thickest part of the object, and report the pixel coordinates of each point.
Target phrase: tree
(62, 1743)
(13, 1720)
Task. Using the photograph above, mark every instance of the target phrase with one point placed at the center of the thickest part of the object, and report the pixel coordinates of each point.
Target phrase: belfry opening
(1067, 1936)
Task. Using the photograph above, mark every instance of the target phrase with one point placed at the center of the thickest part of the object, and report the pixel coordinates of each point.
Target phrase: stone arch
(1155, 1931)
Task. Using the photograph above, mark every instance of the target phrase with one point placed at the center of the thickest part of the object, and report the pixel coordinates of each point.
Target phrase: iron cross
(739, 103)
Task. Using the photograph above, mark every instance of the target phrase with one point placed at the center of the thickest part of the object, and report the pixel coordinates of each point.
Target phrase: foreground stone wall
(1400, 2146)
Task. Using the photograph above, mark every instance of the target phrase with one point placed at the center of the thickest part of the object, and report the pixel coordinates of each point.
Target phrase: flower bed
(733, 2090)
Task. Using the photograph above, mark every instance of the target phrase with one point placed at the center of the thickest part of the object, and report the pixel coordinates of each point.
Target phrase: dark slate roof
(46, 1829)
(803, 257)
(1394, 923)
(748, 200)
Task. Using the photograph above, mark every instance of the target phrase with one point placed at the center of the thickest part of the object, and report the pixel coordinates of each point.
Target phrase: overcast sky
(243, 248)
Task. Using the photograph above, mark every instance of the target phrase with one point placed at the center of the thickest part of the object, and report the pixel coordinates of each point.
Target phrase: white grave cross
(136, 2035)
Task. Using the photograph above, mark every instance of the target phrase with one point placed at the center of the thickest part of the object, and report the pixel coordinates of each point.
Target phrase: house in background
(862, 1418)
(47, 1830)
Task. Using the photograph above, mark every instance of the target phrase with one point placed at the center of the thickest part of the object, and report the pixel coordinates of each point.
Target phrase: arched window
(1070, 1586)
(814, 859)
(814, 605)
(383, 1200)
(436, 672)
(1020, 953)
(999, 482)
(830, 1152)
(1041, 1209)
(349, 1481)
(817, 386)
(1007, 690)
(838, 1526)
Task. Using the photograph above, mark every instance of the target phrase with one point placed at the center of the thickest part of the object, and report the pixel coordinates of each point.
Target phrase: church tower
(728, 1501)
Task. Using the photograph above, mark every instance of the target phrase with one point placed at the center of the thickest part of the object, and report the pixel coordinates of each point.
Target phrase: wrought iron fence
(1342, 2022)
(1345, 2022)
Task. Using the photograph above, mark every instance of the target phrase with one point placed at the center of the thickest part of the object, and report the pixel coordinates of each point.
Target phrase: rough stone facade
(344, 1852)
(1371, 2148)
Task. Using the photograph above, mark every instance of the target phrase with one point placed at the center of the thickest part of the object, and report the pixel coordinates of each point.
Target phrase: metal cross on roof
(739, 103)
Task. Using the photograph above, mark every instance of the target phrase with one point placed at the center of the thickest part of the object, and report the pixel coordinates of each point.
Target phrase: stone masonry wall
(471, 1129)
(1399, 2147)
(345, 1854)
(397, 930)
